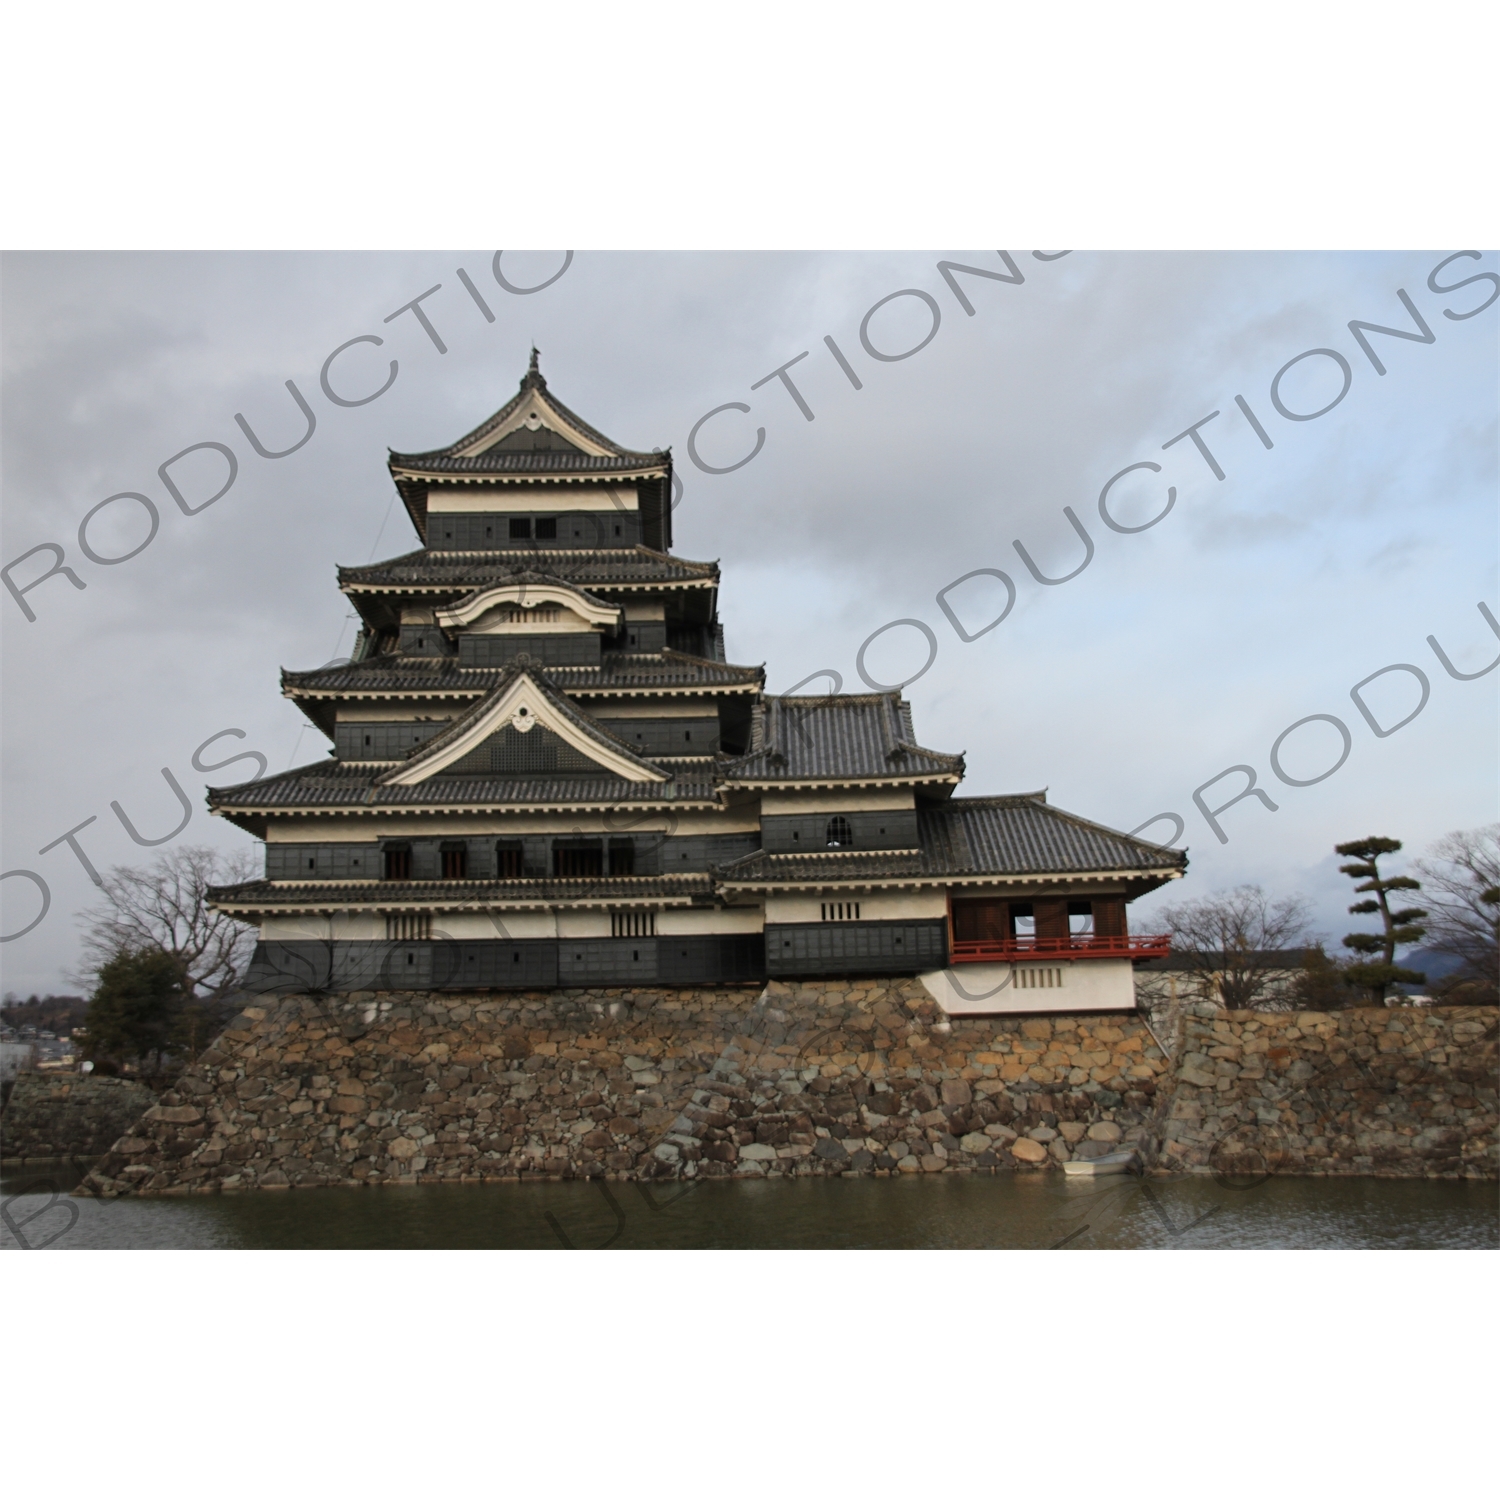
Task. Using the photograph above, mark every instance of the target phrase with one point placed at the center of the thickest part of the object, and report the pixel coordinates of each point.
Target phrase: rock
(909, 1164)
(667, 1152)
(759, 1151)
(1072, 1131)
(175, 1114)
(1028, 1150)
(1059, 1149)
(403, 1148)
(1105, 1130)
(829, 1149)
(131, 1145)
(975, 1143)
(933, 1163)
(957, 1092)
(1042, 1133)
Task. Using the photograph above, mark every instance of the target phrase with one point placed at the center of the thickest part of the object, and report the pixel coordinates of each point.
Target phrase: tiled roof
(426, 674)
(844, 737)
(1005, 836)
(540, 461)
(1024, 836)
(334, 785)
(463, 572)
(761, 868)
(261, 894)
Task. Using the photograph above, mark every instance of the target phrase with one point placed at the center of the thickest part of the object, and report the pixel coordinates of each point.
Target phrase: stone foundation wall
(1409, 1092)
(799, 1079)
(53, 1115)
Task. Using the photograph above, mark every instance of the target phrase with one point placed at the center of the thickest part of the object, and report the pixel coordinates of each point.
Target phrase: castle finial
(536, 354)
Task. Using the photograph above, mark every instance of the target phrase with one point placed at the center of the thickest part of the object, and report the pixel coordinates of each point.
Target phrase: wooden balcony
(1079, 945)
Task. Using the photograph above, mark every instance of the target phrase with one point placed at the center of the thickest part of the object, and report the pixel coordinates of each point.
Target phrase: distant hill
(56, 1013)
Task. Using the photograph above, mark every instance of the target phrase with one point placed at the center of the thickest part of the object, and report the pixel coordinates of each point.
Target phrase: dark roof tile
(839, 737)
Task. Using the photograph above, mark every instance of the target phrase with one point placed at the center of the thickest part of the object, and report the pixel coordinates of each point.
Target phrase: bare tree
(1462, 882)
(1238, 947)
(164, 906)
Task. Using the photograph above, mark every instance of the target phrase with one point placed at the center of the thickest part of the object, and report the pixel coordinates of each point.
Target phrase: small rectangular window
(520, 528)
(398, 864)
(546, 529)
(455, 864)
(1080, 918)
(622, 859)
(508, 862)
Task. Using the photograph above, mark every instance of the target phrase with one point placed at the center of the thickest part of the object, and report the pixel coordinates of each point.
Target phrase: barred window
(398, 863)
(1039, 979)
(520, 527)
(408, 927)
(840, 835)
(632, 924)
(841, 911)
(509, 862)
(455, 862)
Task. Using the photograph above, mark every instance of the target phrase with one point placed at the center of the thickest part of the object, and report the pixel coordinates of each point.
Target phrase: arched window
(840, 835)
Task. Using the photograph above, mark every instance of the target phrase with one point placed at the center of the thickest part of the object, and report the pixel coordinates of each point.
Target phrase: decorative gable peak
(504, 732)
(535, 420)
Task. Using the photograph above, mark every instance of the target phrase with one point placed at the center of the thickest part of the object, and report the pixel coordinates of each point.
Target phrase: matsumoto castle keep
(544, 774)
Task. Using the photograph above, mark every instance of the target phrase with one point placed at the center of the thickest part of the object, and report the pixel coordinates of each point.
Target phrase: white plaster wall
(342, 927)
(686, 922)
(991, 989)
(875, 799)
(492, 499)
(886, 907)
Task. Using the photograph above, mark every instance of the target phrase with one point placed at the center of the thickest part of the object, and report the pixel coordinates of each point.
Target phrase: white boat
(1101, 1166)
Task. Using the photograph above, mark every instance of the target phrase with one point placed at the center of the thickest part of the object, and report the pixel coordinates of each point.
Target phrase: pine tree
(137, 1008)
(1400, 927)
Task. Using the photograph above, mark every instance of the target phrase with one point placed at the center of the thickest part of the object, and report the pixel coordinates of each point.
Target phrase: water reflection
(941, 1212)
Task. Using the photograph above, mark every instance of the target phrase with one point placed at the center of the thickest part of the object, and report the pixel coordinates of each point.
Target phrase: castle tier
(545, 774)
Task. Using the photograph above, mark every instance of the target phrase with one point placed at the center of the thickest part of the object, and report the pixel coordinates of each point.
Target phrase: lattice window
(510, 862)
(632, 924)
(841, 911)
(408, 927)
(398, 864)
(455, 863)
(840, 834)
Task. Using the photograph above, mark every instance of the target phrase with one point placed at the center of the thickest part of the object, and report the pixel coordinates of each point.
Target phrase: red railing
(1079, 945)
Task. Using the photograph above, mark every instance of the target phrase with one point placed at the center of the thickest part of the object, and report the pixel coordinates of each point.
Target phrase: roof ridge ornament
(533, 379)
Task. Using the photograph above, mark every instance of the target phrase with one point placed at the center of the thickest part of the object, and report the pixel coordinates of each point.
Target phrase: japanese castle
(544, 774)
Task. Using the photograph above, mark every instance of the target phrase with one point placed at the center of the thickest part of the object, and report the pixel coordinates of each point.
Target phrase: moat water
(935, 1213)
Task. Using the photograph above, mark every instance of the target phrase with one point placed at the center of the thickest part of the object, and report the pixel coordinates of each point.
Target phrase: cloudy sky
(1179, 651)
